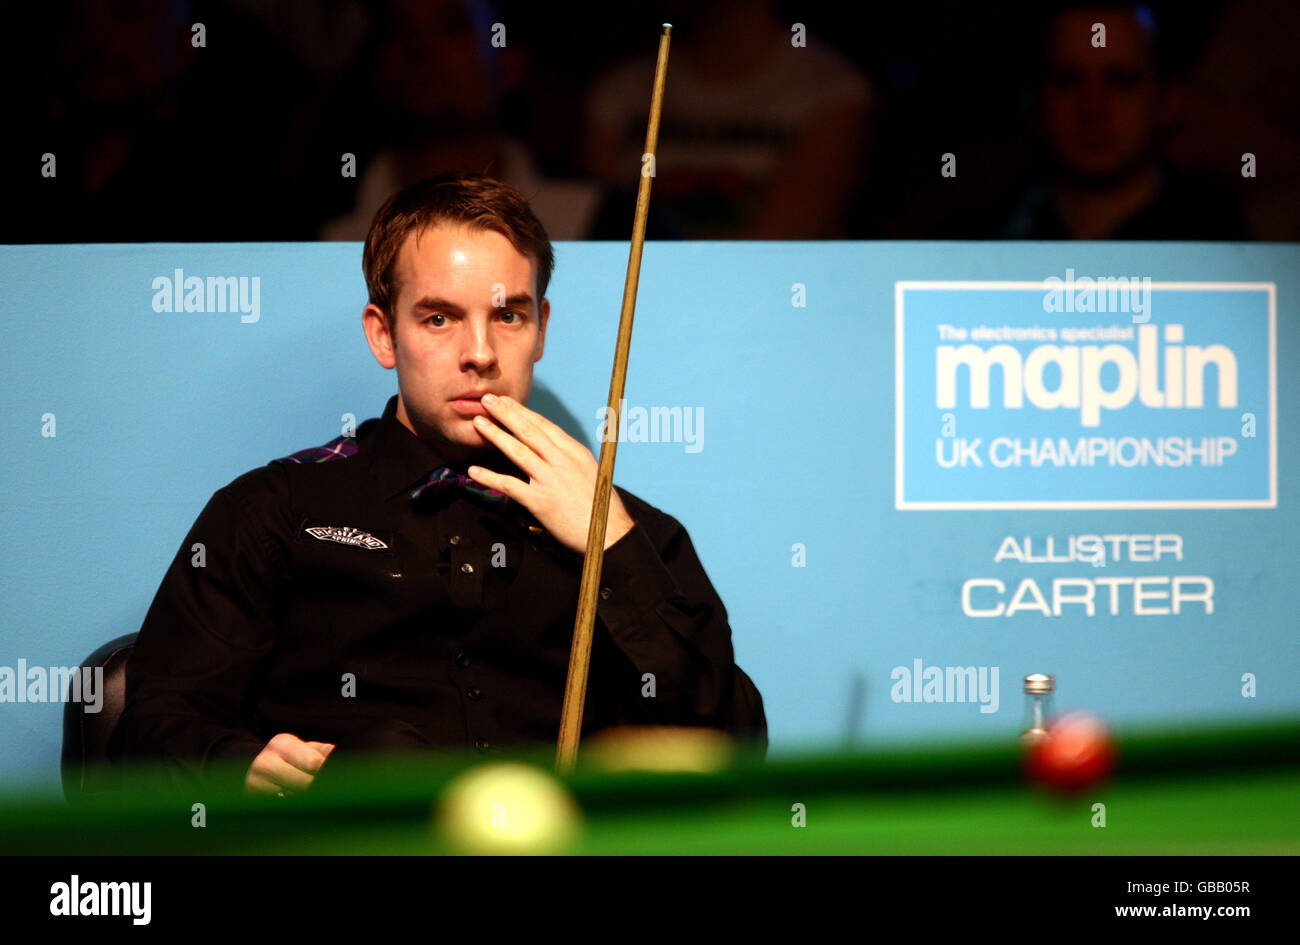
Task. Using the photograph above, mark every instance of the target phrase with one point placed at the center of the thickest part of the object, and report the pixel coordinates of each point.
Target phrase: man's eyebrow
(521, 299)
(429, 303)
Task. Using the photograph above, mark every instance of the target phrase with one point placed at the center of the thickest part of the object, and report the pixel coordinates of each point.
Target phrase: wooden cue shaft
(575, 689)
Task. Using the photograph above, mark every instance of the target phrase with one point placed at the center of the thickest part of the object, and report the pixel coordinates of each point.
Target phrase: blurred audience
(1105, 111)
(833, 129)
(114, 112)
(759, 139)
(435, 96)
(1241, 96)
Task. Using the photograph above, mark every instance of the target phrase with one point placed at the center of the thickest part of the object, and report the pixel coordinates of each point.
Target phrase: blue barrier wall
(813, 367)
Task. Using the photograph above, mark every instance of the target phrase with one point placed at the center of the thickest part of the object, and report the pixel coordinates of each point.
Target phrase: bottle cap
(1039, 684)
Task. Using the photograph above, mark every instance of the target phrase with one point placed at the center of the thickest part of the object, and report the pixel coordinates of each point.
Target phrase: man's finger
(558, 435)
(506, 485)
(524, 423)
(284, 774)
(301, 755)
(522, 456)
(261, 784)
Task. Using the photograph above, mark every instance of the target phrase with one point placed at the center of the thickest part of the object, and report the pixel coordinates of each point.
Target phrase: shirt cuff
(633, 580)
(231, 758)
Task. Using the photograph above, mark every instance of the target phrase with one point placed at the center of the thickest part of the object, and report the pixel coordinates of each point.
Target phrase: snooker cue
(575, 689)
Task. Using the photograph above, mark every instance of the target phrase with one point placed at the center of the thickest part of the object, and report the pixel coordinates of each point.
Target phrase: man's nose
(1096, 98)
(476, 346)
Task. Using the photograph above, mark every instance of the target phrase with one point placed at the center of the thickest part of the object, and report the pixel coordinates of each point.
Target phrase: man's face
(1100, 104)
(430, 67)
(466, 322)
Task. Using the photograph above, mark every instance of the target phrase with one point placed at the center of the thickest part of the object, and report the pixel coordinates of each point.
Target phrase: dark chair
(86, 734)
(747, 721)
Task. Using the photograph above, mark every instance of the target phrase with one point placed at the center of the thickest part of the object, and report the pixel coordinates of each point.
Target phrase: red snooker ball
(1076, 754)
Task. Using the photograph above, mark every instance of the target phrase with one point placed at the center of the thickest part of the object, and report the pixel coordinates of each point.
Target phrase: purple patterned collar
(444, 479)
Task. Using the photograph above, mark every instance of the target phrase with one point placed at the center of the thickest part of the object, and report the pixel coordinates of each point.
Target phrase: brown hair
(471, 199)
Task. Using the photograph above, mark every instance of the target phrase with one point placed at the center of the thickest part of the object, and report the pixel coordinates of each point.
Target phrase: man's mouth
(469, 404)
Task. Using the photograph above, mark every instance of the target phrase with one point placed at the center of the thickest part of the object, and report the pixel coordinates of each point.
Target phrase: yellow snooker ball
(507, 808)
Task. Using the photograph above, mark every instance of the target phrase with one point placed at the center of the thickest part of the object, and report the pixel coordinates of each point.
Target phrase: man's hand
(561, 472)
(287, 764)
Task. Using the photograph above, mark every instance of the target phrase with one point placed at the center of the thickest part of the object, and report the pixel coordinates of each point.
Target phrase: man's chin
(1103, 171)
(464, 432)
(458, 438)
(466, 440)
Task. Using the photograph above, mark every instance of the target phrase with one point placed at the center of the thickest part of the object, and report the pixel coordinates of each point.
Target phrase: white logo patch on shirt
(346, 535)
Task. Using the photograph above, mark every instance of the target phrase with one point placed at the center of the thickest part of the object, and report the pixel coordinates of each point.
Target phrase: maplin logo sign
(1080, 368)
(1007, 401)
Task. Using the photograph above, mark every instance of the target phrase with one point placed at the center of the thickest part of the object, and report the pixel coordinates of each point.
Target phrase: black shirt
(328, 600)
(1183, 208)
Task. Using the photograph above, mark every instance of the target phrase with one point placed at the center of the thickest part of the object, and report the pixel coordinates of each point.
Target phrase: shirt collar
(400, 460)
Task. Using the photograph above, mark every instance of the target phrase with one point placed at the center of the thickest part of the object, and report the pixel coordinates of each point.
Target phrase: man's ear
(545, 313)
(379, 336)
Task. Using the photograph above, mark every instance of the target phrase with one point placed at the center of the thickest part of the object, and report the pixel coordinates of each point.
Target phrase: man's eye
(437, 324)
(1065, 80)
(511, 317)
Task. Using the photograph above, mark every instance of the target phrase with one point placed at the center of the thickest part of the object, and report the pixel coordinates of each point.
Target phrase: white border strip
(902, 504)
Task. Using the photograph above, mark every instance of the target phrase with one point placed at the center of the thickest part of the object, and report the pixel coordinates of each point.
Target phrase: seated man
(414, 585)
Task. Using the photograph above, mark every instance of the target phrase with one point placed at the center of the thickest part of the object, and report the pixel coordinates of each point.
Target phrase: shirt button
(467, 568)
(481, 745)
(474, 693)
(604, 593)
(462, 661)
(454, 540)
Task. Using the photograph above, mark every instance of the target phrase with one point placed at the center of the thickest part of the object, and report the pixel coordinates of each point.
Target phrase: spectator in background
(759, 139)
(1103, 113)
(1245, 93)
(114, 122)
(434, 93)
